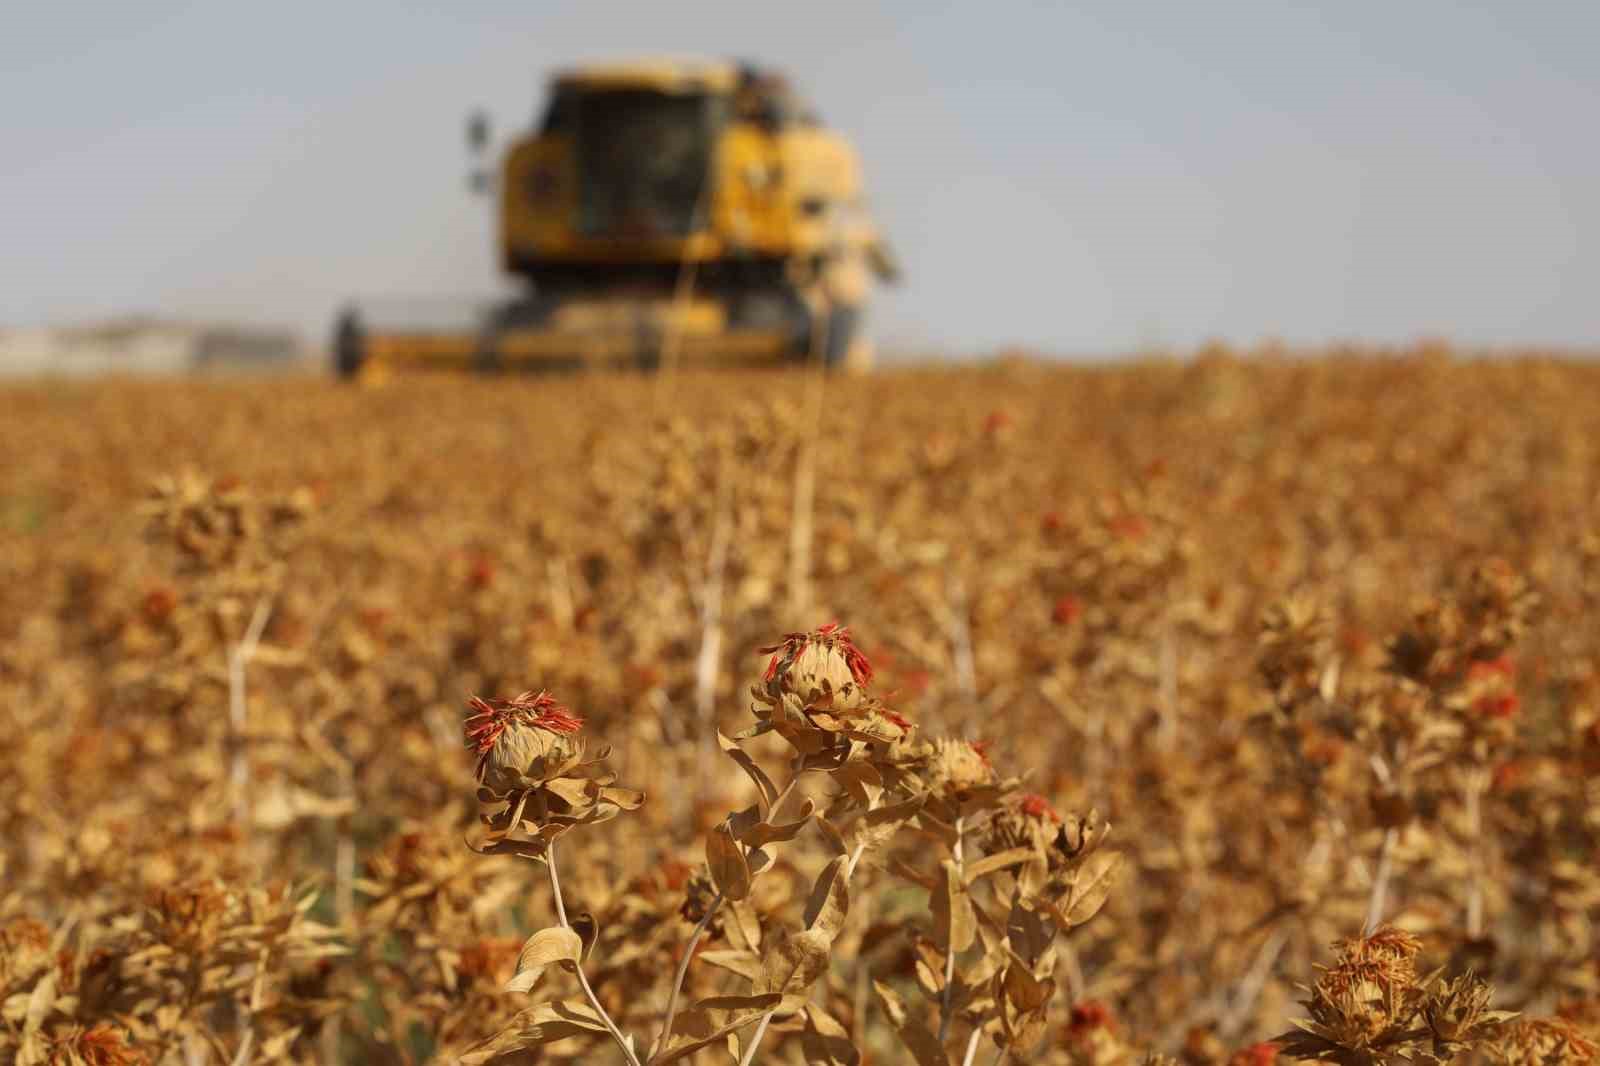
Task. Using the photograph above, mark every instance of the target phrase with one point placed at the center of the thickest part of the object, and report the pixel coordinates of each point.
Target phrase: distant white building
(145, 346)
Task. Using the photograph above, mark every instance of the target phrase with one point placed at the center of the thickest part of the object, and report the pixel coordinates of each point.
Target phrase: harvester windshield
(644, 158)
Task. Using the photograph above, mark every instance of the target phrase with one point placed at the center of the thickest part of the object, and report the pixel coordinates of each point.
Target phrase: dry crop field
(1231, 712)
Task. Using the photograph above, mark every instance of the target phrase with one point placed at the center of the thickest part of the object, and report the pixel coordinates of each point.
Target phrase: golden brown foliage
(1321, 640)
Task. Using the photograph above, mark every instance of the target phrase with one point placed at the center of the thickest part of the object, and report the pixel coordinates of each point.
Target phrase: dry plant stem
(246, 1046)
(858, 1022)
(1167, 734)
(239, 657)
(711, 616)
(766, 1019)
(1075, 982)
(1255, 979)
(972, 1047)
(961, 642)
(950, 949)
(683, 970)
(855, 857)
(1380, 880)
(749, 1055)
(594, 1001)
(560, 592)
(716, 904)
(344, 866)
(1474, 803)
(805, 490)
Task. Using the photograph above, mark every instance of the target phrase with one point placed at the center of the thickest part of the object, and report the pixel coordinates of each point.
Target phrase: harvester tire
(349, 344)
(844, 334)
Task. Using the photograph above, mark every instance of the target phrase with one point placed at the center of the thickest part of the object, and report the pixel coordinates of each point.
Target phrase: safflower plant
(536, 785)
(256, 672)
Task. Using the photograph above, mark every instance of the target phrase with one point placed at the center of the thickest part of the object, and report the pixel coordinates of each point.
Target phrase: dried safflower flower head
(1029, 822)
(1263, 1054)
(1292, 650)
(1543, 1042)
(24, 950)
(822, 668)
(1090, 1014)
(1091, 1036)
(959, 766)
(813, 692)
(1458, 1012)
(100, 1045)
(1386, 944)
(529, 738)
(537, 781)
(1368, 998)
(1036, 806)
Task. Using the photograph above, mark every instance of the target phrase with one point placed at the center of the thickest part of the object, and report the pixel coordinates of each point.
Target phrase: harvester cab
(660, 213)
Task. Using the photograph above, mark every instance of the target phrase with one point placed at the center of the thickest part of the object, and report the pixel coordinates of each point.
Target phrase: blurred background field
(1070, 565)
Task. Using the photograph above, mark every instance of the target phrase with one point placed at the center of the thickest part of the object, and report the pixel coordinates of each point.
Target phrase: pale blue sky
(1083, 179)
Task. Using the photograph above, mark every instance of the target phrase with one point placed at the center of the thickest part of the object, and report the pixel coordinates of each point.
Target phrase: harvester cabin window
(645, 158)
(558, 114)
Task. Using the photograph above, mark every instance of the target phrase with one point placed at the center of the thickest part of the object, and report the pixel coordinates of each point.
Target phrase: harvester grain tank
(692, 214)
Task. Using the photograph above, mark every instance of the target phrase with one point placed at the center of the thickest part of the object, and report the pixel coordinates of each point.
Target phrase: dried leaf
(1027, 933)
(747, 763)
(863, 782)
(745, 929)
(954, 925)
(877, 826)
(759, 833)
(710, 1020)
(556, 944)
(832, 836)
(40, 1001)
(1023, 1000)
(794, 963)
(729, 868)
(900, 868)
(825, 1041)
(629, 799)
(922, 1044)
(536, 1025)
(829, 903)
(1000, 860)
(1091, 887)
(743, 963)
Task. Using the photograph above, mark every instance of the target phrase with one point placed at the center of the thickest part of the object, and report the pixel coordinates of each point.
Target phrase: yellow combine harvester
(662, 213)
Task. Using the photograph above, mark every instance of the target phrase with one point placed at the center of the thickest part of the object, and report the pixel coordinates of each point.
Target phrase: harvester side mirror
(884, 263)
(478, 132)
(479, 178)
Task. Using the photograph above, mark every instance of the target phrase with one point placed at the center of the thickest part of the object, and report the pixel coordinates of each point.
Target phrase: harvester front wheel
(843, 342)
(349, 344)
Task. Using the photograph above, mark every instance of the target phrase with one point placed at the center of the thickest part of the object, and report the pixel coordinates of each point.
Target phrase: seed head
(820, 668)
(1543, 1042)
(1262, 1054)
(1036, 806)
(958, 766)
(100, 1045)
(528, 736)
(1089, 1015)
